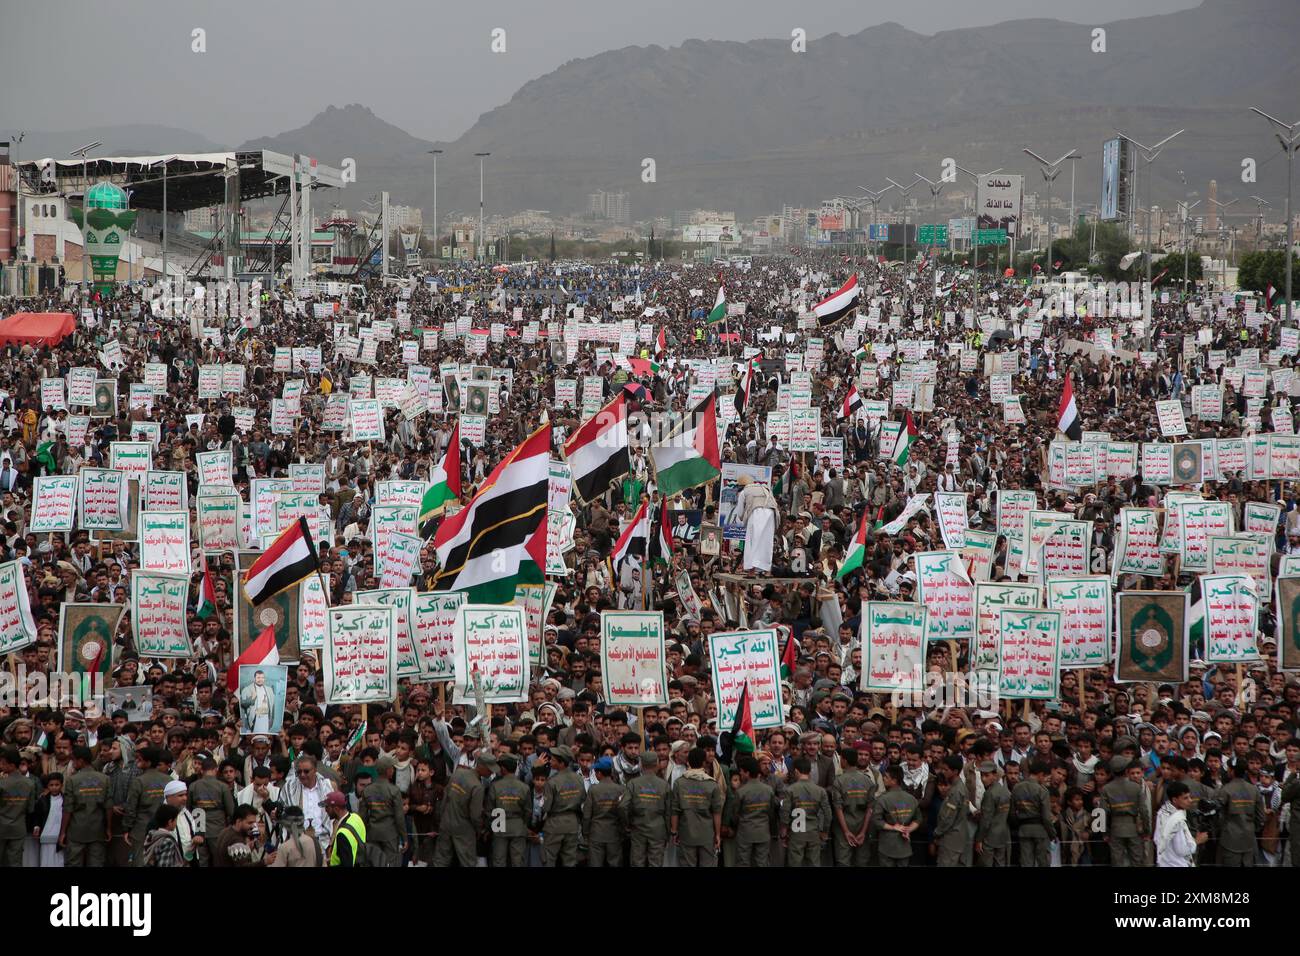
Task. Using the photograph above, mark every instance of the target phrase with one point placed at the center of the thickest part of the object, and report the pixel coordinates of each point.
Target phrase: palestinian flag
(632, 542)
(1196, 618)
(289, 559)
(852, 403)
(689, 457)
(498, 540)
(903, 445)
(597, 451)
(857, 548)
(1067, 414)
(205, 604)
(861, 354)
(880, 519)
(789, 657)
(261, 651)
(744, 723)
(743, 389)
(643, 368)
(446, 484)
(661, 545)
(719, 307)
(661, 341)
(838, 304)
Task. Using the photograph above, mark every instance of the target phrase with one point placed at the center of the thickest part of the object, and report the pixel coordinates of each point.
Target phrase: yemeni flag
(661, 545)
(632, 542)
(689, 456)
(744, 723)
(261, 651)
(857, 549)
(744, 387)
(838, 304)
(597, 452)
(289, 559)
(446, 484)
(206, 603)
(719, 307)
(903, 445)
(661, 341)
(789, 657)
(1269, 294)
(498, 540)
(1067, 414)
(852, 403)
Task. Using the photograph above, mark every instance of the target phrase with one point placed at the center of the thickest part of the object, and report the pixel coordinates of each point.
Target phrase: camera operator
(1175, 843)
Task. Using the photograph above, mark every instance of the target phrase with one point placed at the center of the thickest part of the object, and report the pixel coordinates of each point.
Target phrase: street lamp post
(82, 151)
(1149, 154)
(437, 249)
(974, 238)
(481, 245)
(1289, 143)
(1223, 239)
(904, 191)
(1050, 171)
(935, 189)
(1185, 209)
(873, 196)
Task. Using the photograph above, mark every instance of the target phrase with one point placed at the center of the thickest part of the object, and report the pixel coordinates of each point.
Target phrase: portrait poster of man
(685, 523)
(1288, 626)
(1152, 628)
(261, 697)
(105, 398)
(86, 633)
(136, 702)
(710, 540)
(279, 612)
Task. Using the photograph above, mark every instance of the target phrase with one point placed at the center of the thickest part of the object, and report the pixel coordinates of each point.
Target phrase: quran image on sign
(705, 524)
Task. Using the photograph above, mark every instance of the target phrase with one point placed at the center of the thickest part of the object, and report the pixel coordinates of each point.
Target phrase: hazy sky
(424, 65)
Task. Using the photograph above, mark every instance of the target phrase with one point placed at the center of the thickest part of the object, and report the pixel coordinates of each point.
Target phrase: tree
(1256, 271)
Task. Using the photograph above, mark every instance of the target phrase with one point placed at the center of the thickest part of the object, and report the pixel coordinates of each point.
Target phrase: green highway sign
(990, 237)
(932, 235)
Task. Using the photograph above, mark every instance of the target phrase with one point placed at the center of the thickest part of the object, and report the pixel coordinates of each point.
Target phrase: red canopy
(36, 328)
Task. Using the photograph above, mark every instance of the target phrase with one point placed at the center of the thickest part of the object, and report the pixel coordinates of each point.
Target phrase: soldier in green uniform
(143, 797)
(85, 813)
(1243, 817)
(1126, 814)
(806, 823)
(647, 812)
(602, 817)
(385, 819)
(462, 814)
(850, 795)
(894, 817)
(696, 824)
(562, 800)
(993, 834)
(950, 830)
(212, 801)
(509, 803)
(1032, 806)
(753, 814)
(17, 799)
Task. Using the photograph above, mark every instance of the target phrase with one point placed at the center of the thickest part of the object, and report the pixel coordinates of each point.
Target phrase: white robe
(757, 509)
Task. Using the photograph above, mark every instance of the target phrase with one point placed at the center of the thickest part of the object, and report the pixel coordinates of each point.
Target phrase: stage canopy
(36, 328)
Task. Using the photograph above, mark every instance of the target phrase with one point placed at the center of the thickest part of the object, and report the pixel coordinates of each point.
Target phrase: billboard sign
(998, 201)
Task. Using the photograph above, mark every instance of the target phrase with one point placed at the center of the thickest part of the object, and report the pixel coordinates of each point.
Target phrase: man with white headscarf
(756, 508)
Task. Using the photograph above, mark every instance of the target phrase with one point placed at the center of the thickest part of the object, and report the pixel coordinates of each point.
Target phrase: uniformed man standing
(602, 821)
(754, 811)
(17, 799)
(1291, 798)
(993, 834)
(1032, 806)
(1243, 817)
(950, 830)
(213, 804)
(562, 799)
(807, 817)
(84, 836)
(462, 814)
(509, 803)
(696, 824)
(647, 812)
(851, 794)
(143, 797)
(1122, 799)
(385, 819)
(894, 817)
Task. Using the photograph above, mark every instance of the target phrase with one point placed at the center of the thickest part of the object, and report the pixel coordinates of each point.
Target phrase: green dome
(105, 195)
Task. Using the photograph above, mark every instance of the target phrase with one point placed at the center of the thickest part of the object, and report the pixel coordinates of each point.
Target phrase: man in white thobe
(757, 509)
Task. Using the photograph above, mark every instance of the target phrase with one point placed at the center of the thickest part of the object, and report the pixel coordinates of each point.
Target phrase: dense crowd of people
(1202, 772)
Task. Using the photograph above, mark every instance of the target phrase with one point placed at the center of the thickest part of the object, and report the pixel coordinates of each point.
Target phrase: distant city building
(614, 206)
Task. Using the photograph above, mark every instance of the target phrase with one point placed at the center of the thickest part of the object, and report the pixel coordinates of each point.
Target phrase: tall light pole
(1289, 143)
(1260, 203)
(437, 249)
(873, 196)
(974, 237)
(82, 151)
(1185, 210)
(1149, 154)
(15, 139)
(1050, 172)
(903, 191)
(1223, 225)
(935, 189)
(481, 237)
